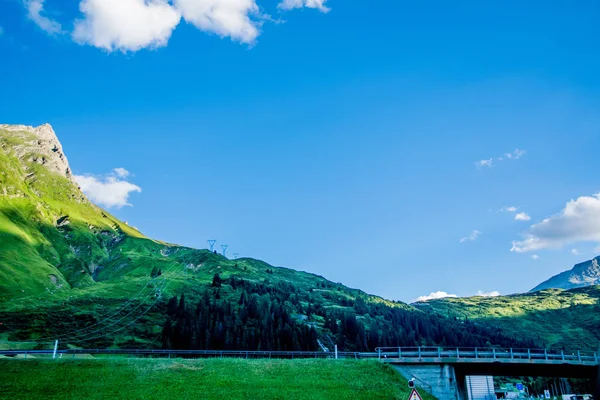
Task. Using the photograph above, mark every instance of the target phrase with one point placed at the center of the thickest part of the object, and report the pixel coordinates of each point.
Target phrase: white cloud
(474, 235)
(132, 25)
(493, 293)
(484, 163)
(435, 295)
(575, 252)
(578, 222)
(226, 18)
(442, 295)
(535, 257)
(522, 217)
(126, 25)
(291, 4)
(515, 155)
(121, 172)
(110, 190)
(34, 13)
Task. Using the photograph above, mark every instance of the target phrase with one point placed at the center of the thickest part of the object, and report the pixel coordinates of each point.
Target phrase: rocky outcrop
(583, 274)
(40, 144)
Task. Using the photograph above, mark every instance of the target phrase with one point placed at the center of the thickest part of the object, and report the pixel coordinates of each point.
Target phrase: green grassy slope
(52, 237)
(205, 379)
(554, 318)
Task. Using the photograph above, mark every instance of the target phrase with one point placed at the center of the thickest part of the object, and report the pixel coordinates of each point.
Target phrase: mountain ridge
(583, 274)
(70, 270)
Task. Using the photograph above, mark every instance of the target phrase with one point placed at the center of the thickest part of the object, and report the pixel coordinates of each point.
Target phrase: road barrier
(391, 354)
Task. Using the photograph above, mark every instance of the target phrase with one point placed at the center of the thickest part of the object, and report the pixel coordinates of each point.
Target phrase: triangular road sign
(414, 395)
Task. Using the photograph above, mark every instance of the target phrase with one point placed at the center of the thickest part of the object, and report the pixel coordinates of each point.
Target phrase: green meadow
(210, 379)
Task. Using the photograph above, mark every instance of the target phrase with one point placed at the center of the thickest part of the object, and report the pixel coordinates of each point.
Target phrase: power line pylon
(211, 243)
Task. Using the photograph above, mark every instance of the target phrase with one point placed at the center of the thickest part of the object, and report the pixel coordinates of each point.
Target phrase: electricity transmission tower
(211, 243)
(224, 247)
(235, 255)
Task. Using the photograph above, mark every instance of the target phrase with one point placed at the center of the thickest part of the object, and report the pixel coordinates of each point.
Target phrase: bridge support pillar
(437, 379)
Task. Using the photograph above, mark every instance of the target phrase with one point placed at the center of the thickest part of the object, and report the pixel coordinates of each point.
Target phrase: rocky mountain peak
(40, 144)
(583, 274)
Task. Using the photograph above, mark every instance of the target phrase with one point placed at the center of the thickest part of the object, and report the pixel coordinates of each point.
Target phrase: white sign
(414, 395)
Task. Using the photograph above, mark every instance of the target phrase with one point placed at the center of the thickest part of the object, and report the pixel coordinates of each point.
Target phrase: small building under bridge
(450, 374)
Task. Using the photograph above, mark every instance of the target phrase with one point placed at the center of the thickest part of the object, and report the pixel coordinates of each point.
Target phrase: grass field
(200, 379)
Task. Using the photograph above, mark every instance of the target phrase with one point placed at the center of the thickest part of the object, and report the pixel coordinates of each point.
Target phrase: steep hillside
(71, 271)
(52, 237)
(583, 274)
(554, 318)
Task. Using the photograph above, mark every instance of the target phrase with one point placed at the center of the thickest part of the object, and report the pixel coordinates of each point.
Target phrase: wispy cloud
(575, 252)
(473, 236)
(484, 163)
(535, 257)
(578, 221)
(121, 172)
(110, 190)
(35, 8)
(511, 209)
(490, 162)
(515, 155)
(291, 4)
(493, 293)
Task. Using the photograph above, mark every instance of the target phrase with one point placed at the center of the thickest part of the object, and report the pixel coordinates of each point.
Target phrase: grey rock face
(583, 274)
(41, 145)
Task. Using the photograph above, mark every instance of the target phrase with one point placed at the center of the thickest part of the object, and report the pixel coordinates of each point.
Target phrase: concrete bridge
(443, 371)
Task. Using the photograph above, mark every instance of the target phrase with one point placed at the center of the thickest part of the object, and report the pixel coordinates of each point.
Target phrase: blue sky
(340, 138)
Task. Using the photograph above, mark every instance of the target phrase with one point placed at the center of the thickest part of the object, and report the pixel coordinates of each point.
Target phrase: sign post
(414, 395)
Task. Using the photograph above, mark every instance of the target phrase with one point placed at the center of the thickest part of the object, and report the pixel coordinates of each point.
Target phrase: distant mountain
(554, 318)
(583, 274)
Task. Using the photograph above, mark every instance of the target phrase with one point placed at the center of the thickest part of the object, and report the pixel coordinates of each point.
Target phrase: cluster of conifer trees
(239, 314)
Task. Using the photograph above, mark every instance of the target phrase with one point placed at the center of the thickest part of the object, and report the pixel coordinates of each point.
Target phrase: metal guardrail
(393, 354)
(193, 353)
(490, 354)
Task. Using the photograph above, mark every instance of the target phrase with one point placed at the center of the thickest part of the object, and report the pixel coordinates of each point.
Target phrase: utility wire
(80, 332)
(136, 319)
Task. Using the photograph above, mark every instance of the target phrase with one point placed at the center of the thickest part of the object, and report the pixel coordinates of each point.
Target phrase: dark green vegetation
(560, 319)
(205, 379)
(241, 314)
